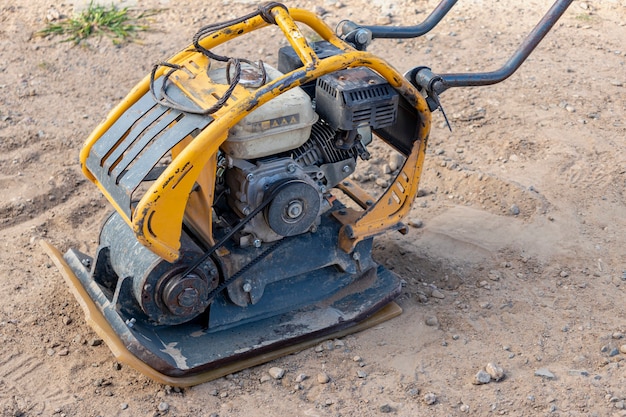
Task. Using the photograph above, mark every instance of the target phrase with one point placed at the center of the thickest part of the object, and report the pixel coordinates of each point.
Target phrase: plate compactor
(237, 234)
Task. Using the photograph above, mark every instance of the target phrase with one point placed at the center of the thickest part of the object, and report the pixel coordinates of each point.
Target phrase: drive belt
(268, 199)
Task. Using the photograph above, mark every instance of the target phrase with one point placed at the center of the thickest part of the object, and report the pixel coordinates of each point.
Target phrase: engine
(306, 143)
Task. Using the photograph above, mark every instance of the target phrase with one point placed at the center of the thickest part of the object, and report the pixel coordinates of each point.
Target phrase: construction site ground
(515, 254)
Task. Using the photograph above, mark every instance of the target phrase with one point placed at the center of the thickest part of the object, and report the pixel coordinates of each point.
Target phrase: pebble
(496, 372)
(385, 408)
(63, 352)
(417, 223)
(338, 343)
(223, 394)
(395, 161)
(481, 378)
(50, 352)
(387, 169)
(464, 408)
(382, 183)
(578, 372)
(544, 373)
(431, 321)
(613, 352)
(67, 320)
(163, 406)
(430, 398)
(323, 378)
(361, 374)
(95, 342)
(124, 406)
(622, 348)
(437, 294)
(357, 358)
(514, 210)
(617, 335)
(276, 373)
(301, 377)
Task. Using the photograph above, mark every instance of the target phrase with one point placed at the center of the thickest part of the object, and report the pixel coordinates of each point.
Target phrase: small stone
(387, 169)
(564, 274)
(50, 352)
(481, 378)
(416, 223)
(496, 372)
(622, 348)
(64, 352)
(357, 358)
(214, 392)
(464, 408)
(323, 378)
(544, 373)
(395, 161)
(437, 294)
(514, 210)
(319, 348)
(223, 394)
(494, 275)
(361, 374)
(431, 321)
(338, 343)
(263, 379)
(67, 320)
(382, 183)
(124, 406)
(570, 108)
(620, 405)
(430, 398)
(301, 377)
(385, 408)
(617, 335)
(276, 373)
(485, 304)
(95, 342)
(578, 372)
(163, 406)
(612, 352)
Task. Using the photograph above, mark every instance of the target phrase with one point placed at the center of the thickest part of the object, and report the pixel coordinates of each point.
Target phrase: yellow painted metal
(158, 217)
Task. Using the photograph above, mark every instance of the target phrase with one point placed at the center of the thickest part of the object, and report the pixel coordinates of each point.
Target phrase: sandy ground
(537, 292)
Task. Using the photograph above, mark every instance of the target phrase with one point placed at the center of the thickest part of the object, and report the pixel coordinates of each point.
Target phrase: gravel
(276, 373)
(544, 373)
(323, 378)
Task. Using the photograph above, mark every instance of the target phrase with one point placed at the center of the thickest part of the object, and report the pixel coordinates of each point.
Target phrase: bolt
(188, 297)
(294, 210)
(250, 177)
(362, 36)
(246, 210)
(346, 168)
(369, 202)
(86, 262)
(247, 287)
(257, 243)
(291, 168)
(356, 256)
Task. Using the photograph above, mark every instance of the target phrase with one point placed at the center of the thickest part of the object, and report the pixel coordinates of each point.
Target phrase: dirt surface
(516, 257)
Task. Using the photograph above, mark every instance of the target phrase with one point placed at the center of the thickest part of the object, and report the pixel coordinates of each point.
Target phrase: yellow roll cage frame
(184, 191)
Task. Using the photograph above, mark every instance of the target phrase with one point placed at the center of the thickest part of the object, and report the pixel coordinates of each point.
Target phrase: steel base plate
(188, 354)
